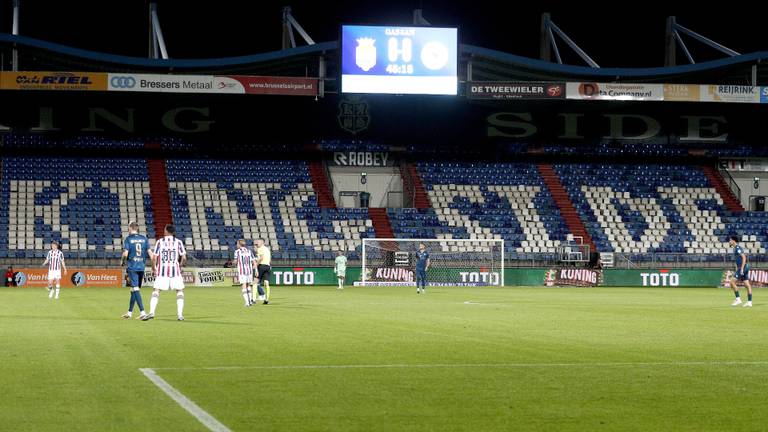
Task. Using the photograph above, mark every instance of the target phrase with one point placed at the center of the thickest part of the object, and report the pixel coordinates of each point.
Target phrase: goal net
(453, 262)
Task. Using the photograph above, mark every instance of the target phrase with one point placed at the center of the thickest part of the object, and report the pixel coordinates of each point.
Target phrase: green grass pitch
(455, 359)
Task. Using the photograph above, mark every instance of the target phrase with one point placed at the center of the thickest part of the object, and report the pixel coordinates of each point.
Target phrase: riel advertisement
(53, 81)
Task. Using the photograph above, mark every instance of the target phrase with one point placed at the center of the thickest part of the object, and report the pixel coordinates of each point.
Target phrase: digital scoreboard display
(399, 60)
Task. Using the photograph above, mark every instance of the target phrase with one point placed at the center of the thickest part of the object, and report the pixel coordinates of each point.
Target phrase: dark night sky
(618, 33)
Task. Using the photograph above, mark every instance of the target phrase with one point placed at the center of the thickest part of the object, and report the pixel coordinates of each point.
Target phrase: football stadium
(373, 222)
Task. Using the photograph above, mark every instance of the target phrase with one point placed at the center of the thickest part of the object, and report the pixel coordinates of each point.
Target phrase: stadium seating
(86, 142)
(351, 145)
(663, 146)
(83, 203)
(643, 209)
(486, 201)
(216, 202)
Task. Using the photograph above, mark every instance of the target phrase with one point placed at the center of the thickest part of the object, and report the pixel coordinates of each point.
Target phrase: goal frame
(427, 241)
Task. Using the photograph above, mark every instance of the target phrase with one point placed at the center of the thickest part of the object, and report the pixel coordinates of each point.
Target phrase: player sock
(180, 303)
(749, 296)
(139, 302)
(339, 283)
(246, 298)
(249, 292)
(266, 293)
(57, 291)
(153, 303)
(737, 294)
(50, 291)
(132, 302)
(260, 289)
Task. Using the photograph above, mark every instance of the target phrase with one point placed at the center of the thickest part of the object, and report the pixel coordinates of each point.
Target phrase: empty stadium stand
(216, 202)
(83, 203)
(486, 201)
(643, 211)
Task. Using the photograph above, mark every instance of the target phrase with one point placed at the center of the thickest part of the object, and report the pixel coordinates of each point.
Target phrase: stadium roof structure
(319, 60)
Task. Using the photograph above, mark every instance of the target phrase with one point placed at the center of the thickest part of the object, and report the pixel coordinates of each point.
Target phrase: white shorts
(341, 273)
(245, 279)
(54, 274)
(166, 283)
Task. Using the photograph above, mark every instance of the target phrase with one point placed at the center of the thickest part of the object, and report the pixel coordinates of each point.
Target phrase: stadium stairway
(412, 181)
(381, 223)
(717, 181)
(321, 185)
(161, 200)
(563, 202)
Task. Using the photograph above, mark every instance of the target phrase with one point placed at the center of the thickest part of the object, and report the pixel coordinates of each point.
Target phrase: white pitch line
(200, 414)
(478, 365)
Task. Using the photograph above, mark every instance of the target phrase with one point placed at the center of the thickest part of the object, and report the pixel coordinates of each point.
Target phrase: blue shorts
(135, 277)
(421, 275)
(742, 277)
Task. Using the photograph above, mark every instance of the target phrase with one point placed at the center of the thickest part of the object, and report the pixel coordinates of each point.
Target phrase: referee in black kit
(264, 268)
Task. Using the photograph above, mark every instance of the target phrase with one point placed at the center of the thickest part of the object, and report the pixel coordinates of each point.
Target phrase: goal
(453, 262)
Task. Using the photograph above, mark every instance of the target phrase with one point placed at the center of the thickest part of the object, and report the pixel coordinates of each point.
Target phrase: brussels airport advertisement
(399, 60)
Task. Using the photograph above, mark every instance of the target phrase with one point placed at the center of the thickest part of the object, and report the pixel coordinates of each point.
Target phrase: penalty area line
(200, 414)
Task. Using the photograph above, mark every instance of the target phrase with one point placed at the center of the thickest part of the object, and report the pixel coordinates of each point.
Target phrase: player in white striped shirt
(245, 262)
(55, 262)
(168, 257)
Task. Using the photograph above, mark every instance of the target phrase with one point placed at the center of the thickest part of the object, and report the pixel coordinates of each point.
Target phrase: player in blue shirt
(135, 252)
(741, 273)
(422, 265)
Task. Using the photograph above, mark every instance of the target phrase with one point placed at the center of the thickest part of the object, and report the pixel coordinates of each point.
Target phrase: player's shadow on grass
(206, 320)
(289, 306)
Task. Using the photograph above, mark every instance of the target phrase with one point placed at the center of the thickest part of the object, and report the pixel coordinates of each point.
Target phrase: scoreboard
(399, 60)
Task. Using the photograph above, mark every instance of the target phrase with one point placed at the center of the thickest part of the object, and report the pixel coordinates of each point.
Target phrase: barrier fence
(317, 276)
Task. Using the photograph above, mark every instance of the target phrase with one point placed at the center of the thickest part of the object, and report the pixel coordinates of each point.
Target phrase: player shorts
(341, 273)
(421, 275)
(742, 276)
(165, 283)
(54, 274)
(135, 278)
(245, 279)
(264, 272)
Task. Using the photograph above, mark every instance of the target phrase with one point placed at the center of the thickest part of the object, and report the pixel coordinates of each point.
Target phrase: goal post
(453, 262)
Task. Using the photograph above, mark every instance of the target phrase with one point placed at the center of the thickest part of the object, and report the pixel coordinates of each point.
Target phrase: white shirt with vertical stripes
(168, 250)
(55, 259)
(244, 259)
